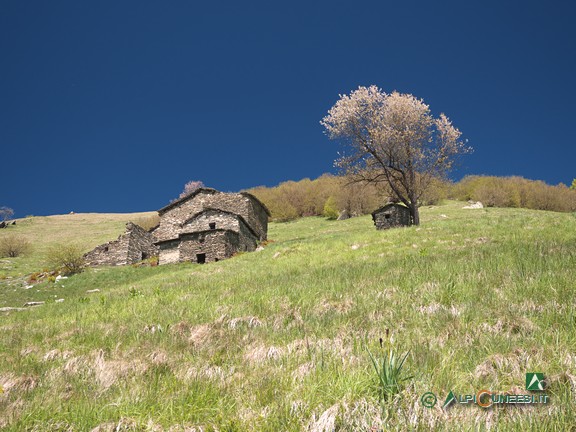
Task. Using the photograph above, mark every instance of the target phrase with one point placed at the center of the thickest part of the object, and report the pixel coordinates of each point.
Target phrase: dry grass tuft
(211, 373)
(517, 325)
(12, 383)
(341, 307)
(326, 422)
(361, 415)
(250, 321)
(434, 308)
(200, 335)
(126, 425)
(56, 354)
(159, 358)
(108, 372)
(259, 354)
(303, 370)
(288, 317)
(514, 364)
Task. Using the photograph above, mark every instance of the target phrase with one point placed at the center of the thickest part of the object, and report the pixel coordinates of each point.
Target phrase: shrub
(436, 192)
(68, 259)
(330, 211)
(515, 192)
(13, 246)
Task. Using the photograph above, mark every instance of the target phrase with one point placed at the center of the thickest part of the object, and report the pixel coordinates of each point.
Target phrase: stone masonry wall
(171, 220)
(221, 220)
(129, 248)
(256, 217)
(215, 244)
(141, 244)
(169, 252)
(247, 240)
(391, 216)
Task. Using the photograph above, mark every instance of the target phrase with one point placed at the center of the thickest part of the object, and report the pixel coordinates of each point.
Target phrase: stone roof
(257, 201)
(186, 198)
(210, 191)
(387, 206)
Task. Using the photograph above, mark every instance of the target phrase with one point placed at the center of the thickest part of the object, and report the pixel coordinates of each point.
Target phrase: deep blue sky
(111, 106)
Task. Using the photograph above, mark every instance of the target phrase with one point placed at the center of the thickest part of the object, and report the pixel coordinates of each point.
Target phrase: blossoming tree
(393, 139)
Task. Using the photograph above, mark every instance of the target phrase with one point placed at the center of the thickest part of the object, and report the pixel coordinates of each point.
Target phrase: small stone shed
(391, 215)
(131, 247)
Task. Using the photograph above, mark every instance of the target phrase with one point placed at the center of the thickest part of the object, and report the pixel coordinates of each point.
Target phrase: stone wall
(141, 244)
(172, 216)
(248, 241)
(131, 247)
(390, 216)
(215, 245)
(169, 253)
(256, 215)
(212, 219)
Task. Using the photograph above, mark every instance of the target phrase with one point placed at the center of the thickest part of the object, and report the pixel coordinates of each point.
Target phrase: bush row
(515, 192)
(331, 195)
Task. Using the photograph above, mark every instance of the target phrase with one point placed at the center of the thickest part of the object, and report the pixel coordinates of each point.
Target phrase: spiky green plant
(389, 370)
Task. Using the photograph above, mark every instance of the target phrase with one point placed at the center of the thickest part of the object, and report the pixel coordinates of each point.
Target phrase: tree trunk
(415, 213)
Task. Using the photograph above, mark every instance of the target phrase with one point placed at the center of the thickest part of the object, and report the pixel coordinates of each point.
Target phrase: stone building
(131, 247)
(209, 225)
(202, 227)
(391, 215)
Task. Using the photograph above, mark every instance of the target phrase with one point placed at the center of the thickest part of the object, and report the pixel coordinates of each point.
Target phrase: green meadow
(279, 339)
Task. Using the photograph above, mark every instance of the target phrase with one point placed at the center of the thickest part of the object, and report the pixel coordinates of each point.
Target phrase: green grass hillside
(278, 340)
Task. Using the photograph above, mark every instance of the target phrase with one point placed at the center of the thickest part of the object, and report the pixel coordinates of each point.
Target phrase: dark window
(106, 249)
(216, 259)
(201, 258)
(144, 255)
(387, 216)
(212, 225)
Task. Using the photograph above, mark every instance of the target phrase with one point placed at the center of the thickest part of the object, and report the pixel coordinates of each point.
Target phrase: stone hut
(391, 215)
(209, 225)
(131, 247)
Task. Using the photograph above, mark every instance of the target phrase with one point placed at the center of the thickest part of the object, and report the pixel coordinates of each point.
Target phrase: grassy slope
(44, 232)
(275, 340)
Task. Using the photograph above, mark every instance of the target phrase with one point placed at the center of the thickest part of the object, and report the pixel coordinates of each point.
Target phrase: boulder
(343, 215)
(474, 205)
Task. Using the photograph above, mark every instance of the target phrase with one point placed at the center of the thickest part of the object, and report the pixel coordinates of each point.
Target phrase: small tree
(190, 187)
(6, 213)
(67, 259)
(573, 186)
(395, 140)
